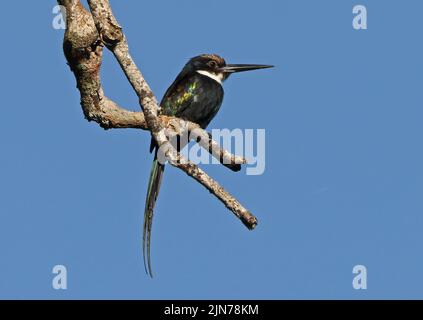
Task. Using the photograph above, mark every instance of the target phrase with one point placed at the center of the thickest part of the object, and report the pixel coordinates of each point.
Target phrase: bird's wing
(179, 95)
(168, 103)
(173, 87)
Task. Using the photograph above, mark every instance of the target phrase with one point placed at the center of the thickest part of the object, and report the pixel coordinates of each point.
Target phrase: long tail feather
(156, 175)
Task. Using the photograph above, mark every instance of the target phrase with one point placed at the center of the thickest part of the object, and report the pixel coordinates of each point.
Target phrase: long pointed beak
(232, 68)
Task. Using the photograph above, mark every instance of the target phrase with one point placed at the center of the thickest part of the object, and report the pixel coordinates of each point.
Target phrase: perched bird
(196, 95)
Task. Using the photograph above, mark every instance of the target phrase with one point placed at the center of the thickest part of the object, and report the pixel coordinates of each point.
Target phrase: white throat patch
(216, 77)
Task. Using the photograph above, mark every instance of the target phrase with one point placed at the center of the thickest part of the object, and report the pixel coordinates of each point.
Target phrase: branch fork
(86, 35)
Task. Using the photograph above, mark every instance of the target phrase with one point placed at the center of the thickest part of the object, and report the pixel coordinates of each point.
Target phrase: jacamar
(196, 95)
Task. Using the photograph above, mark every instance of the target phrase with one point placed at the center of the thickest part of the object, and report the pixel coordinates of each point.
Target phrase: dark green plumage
(195, 95)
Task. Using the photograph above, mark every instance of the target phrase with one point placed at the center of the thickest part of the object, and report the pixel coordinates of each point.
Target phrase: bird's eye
(213, 64)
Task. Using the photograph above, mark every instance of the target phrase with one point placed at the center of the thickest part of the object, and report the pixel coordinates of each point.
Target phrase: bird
(196, 95)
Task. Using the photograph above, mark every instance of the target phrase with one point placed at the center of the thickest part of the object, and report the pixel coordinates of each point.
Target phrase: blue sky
(343, 182)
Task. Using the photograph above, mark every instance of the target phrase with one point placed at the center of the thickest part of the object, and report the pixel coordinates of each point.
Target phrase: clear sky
(344, 162)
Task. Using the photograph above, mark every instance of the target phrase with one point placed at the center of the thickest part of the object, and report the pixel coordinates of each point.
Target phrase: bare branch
(83, 47)
(111, 32)
(83, 50)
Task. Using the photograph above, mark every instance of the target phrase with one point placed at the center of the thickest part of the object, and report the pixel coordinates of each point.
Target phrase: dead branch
(83, 47)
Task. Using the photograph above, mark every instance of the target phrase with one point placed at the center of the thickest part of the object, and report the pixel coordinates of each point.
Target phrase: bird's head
(215, 67)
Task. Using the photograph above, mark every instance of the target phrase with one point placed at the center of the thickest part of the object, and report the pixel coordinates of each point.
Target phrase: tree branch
(83, 47)
(83, 50)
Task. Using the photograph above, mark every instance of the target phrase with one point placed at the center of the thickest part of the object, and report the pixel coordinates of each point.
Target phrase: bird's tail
(156, 175)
